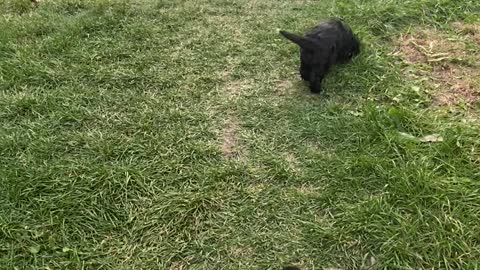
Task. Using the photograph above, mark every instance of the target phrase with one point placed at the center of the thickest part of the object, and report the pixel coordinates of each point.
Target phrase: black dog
(329, 43)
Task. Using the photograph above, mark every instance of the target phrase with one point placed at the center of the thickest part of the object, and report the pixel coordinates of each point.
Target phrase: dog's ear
(303, 42)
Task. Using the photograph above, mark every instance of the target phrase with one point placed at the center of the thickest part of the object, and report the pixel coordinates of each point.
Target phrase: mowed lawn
(178, 135)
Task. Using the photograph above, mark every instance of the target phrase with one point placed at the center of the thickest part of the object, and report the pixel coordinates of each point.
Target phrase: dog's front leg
(316, 78)
(305, 71)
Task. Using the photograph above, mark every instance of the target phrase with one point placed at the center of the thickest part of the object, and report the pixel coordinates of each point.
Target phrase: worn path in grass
(177, 135)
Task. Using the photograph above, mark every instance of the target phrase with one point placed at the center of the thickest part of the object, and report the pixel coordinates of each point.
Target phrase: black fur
(329, 43)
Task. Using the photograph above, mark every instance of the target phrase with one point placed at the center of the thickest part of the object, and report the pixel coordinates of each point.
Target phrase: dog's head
(354, 47)
(351, 49)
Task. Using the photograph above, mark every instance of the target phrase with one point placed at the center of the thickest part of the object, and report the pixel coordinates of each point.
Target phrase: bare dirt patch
(231, 145)
(430, 46)
(290, 86)
(232, 91)
(284, 84)
(450, 69)
(229, 139)
(458, 85)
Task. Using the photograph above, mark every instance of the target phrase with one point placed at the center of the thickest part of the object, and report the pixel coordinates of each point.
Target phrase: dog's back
(339, 35)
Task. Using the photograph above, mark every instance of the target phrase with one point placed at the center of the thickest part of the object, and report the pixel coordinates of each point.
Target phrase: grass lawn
(178, 135)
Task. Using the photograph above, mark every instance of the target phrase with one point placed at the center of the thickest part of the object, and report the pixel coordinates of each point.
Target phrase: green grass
(113, 116)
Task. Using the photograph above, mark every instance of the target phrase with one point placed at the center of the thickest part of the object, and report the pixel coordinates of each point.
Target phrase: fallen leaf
(432, 138)
(34, 249)
(354, 113)
(406, 135)
(416, 88)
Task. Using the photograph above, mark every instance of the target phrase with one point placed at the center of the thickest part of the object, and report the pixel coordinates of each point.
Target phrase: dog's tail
(300, 41)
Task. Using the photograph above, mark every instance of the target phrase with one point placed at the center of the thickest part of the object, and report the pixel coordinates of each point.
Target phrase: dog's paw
(315, 88)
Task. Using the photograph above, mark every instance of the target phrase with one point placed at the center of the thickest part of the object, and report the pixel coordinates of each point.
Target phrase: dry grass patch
(309, 190)
(430, 46)
(286, 87)
(237, 88)
(229, 139)
(292, 162)
(457, 84)
(241, 251)
(230, 25)
(231, 146)
(451, 71)
(256, 188)
(470, 30)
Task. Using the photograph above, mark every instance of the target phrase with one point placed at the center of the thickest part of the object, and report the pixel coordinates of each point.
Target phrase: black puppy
(329, 43)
